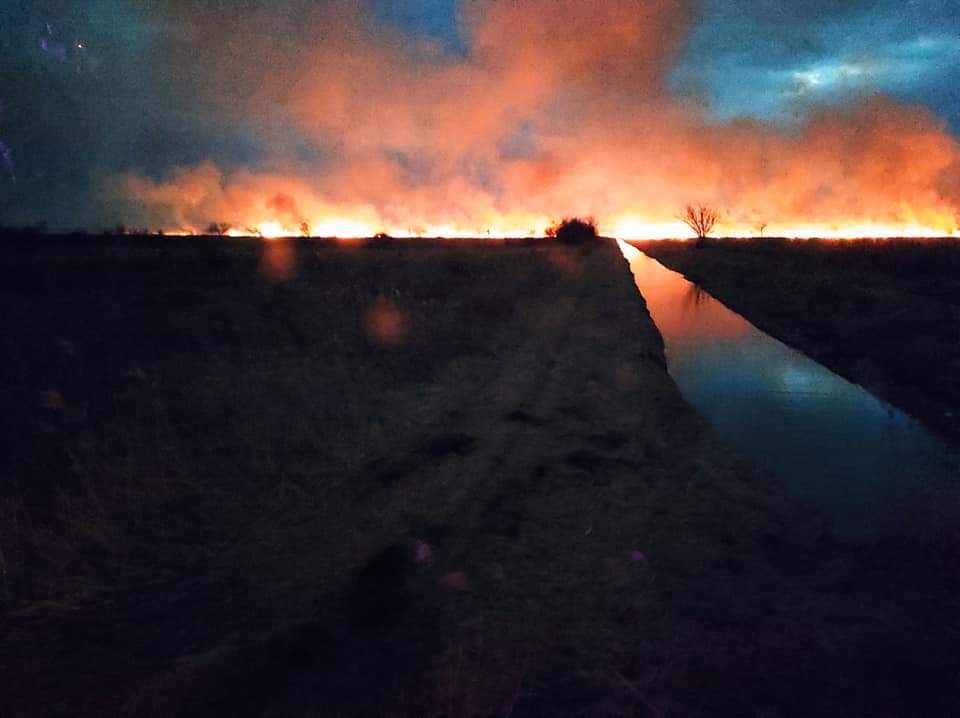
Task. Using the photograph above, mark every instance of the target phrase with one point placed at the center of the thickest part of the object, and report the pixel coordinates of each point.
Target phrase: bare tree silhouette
(695, 296)
(762, 226)
(218, 228)
(701, 219)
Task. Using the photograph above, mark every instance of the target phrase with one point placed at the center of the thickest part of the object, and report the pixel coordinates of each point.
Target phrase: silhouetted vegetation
(701, 219)
(219, 228)
(574, 230)
(457, 466)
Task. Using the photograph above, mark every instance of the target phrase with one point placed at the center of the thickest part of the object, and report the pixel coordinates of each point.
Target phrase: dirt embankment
(409, 479)
(884, 314)
(573, 520)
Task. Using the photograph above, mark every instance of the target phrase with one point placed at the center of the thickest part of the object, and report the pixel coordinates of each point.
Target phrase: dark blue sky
(88, 88)
(772, 59)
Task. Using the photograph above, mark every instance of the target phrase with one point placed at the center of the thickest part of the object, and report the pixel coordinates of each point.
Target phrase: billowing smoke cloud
(554, 107)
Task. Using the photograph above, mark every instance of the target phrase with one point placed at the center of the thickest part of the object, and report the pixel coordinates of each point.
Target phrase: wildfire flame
(627, 228)
(559, 108)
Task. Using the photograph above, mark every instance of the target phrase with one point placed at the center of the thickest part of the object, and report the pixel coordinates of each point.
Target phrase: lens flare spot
(456, 581)
(52, 399)
(386, 324)
(279, 260)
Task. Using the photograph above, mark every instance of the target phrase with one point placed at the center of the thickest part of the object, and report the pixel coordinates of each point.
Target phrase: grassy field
(882, 313)
(408, 478)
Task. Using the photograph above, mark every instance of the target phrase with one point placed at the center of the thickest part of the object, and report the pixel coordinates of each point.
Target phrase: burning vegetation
(496, 141)
(574, 231)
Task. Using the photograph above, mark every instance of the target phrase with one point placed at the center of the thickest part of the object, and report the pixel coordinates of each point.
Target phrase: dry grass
(218, 478)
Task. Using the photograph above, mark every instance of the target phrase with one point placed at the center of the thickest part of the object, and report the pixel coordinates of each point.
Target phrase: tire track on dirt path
(555, 546)
(517, 543)
(433, 493)
(478, 456)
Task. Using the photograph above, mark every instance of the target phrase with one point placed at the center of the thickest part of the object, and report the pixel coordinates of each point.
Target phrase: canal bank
(884, 314)
(832, 444)
(538, 525)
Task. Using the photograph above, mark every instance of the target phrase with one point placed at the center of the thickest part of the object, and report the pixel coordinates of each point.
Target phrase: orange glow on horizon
(505, 227)
(632, 228)
(271, 230)
(637, 228)
(500, 140)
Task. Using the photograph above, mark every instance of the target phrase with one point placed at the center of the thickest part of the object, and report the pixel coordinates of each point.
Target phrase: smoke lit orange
(559, 108)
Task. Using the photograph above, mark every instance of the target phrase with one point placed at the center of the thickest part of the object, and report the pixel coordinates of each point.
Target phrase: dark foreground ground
(882, 313)
(408, 479)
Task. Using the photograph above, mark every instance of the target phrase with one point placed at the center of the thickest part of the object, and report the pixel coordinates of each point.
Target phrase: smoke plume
(550, 108)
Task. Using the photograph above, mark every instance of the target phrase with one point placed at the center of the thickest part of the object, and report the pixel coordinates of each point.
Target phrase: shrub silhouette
(574, 230)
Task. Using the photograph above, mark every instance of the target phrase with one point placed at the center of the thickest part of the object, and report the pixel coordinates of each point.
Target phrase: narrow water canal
(832, 443)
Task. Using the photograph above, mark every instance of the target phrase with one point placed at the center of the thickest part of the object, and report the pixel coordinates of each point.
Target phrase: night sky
(415, 111)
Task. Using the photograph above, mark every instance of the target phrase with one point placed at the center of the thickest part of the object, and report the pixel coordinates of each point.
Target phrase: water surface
(832, 443)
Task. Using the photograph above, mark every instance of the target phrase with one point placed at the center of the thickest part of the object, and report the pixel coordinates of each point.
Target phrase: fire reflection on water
(832, 443)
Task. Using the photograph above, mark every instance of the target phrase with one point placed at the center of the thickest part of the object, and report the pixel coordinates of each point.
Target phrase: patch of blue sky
(437, 20)
(769, 62)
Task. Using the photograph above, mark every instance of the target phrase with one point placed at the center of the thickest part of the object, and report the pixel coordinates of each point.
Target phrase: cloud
(908, 50)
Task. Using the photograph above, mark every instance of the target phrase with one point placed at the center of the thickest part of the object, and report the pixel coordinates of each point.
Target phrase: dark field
(409, 478)
(882, 313)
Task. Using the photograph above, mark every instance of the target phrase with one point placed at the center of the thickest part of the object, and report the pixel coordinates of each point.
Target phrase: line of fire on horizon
(627, 227)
